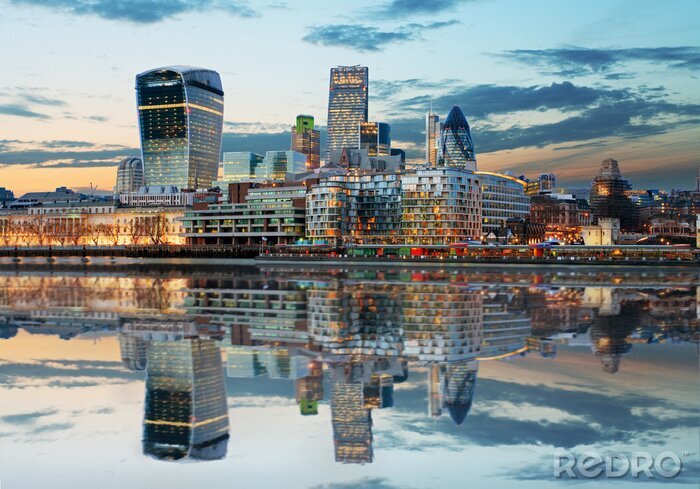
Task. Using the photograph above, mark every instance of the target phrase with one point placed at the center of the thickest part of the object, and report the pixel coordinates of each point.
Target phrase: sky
(547, 86)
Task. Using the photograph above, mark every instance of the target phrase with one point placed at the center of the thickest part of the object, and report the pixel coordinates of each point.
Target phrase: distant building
(522, 231)
(238, 166)
(6, 195)
(61, 195)
(375, 138)
(545, 183)
(503, 197)
(562, 214)
(157, 195)
(359, 159)
(352, 421)
(347, 106)
(456, 146)
(609, 197)
(277, 165)
(129, 175)
(433, 130)
(307, 140)
(605, 233)
(181, 114)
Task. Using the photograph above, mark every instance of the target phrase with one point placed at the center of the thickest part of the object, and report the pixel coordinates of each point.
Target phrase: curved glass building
(181, 116)
(456, 147)
(129, 175)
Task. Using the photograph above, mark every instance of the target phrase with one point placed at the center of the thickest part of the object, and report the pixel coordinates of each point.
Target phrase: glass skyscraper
(433, 129)
(181, 114)
(307, 140)
(347, 106)
(240, 166)
(456, 146)
(375, 137)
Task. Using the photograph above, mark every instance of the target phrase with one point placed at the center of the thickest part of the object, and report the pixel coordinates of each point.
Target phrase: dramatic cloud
(406, 8)
(20, 110)
(62, 154)
(366, 38)
(581, 61)
(141, 11)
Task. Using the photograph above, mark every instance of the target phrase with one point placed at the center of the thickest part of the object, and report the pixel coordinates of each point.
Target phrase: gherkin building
(457, 148)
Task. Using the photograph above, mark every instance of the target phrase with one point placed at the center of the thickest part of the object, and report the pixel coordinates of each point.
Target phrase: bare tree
(135, 228)
(8, 230)
(111, 231)
(57, 230)
(36, 229)
(94, 231)
(76, 231)
(155, 228)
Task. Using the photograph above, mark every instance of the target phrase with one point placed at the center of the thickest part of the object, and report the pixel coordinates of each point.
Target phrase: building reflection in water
(365, 328)
(185, 408)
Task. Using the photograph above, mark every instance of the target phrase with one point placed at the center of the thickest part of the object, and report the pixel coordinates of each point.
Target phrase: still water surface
(385, 378)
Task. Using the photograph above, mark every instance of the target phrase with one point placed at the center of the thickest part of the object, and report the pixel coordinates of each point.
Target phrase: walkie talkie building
(181, 116)
(347, 107)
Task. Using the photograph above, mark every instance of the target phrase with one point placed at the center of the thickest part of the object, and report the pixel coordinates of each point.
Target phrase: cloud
(406, 8)
(141, 11)
(26, 418)
(574, 62)
(62, 154)
(364, 38)
(365, 483)
(41, 100)
(20, 110)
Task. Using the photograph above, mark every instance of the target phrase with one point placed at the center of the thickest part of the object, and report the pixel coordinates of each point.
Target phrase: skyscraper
(181, 114)
(375, 137)
(456, 146)
(347, 106)
(307, 140)
(433, 128)
(129, 175)
(185, 410)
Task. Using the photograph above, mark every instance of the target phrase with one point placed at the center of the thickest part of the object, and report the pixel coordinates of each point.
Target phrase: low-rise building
(264, 215)
(562, 214)
(605, 233)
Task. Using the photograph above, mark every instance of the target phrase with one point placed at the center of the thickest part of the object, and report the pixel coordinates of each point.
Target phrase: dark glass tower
(375, 137)
(181, 115)
(185, 410)
(456, 146)
(347, 106)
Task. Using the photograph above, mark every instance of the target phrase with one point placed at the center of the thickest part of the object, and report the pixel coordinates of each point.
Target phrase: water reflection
(359, 332)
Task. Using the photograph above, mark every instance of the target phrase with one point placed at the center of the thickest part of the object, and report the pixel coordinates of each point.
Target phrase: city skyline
(586, 90)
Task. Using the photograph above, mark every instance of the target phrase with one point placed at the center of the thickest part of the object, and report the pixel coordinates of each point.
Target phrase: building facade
(609, 197)
(503, 197)
(440, 206)
(347, 106)
(563, 215)
(129, 175)
(307, 140)
(239, 166)
(268, 216)
(181, 114)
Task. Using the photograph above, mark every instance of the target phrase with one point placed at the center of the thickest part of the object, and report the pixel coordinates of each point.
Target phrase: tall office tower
(458, 388)
(609, 196)
(433, 129)
(307, 140)
(309, 389)
(456, 146)
(375, 137)
(129, 175)
(185, 409)
(347, 106)
(181, 116)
